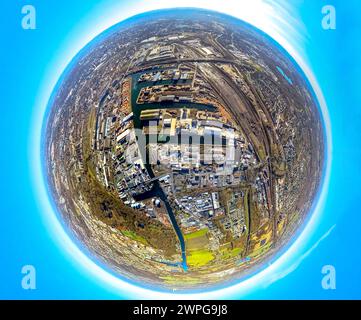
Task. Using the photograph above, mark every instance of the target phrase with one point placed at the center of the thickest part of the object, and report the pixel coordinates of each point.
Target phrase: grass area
(255, 218)
(108, 208)
(280, 227)
(259, 148)
(132, 235)
(199, 258)
(225, 198)
(265, 237)
(196, 234)
(292, 217)
(260, 250)
(180, 280)
(196, 240)
(246, 211)
(231, 253)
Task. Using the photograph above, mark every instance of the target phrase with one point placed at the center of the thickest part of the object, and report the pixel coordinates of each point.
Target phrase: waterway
(156, 190)
(284, 75)
(137, 108)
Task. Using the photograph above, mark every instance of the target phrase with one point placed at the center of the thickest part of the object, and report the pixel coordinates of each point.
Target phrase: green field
(261, 250)
(199, 258)
(196, 234)
(228, 253)
(132, 235)
(196, 245)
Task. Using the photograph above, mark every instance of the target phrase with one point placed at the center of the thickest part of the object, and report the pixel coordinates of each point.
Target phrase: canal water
(156, 190)
(138, 108)
(284, 75)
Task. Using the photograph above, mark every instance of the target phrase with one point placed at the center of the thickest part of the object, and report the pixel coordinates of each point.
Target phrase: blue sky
(33, 59)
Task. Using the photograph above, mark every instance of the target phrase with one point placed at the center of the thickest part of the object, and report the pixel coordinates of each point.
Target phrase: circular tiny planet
(183, 149)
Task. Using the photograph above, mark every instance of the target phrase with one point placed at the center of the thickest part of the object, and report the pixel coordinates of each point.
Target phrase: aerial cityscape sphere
(184, 149)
